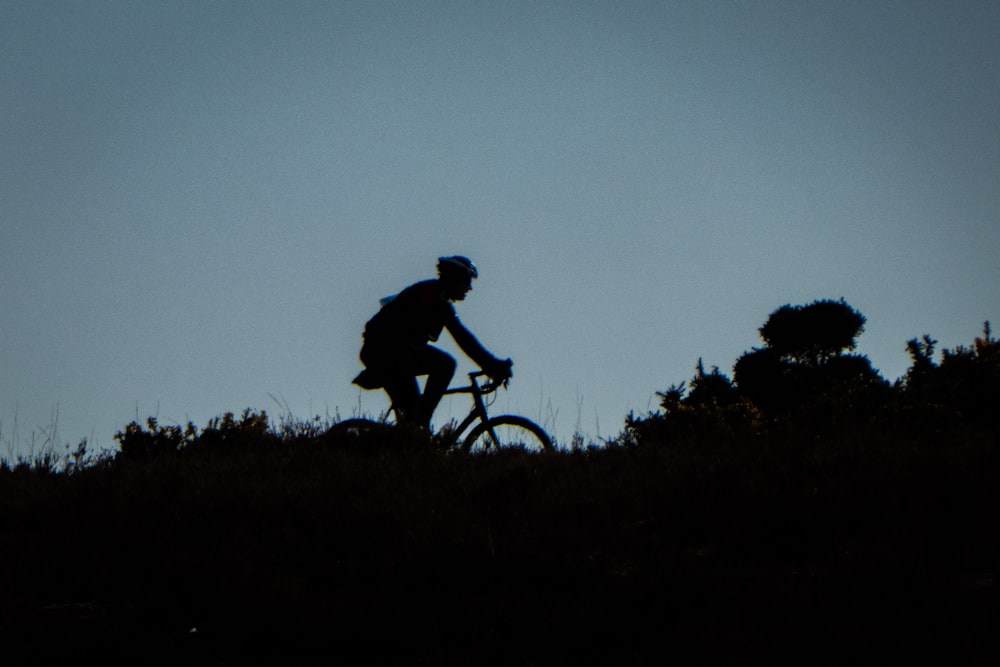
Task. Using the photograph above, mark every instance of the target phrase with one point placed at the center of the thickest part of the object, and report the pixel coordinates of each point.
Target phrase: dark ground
(700, 612)
(630, 556)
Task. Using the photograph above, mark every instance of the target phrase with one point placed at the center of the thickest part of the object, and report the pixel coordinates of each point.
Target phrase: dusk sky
(201, 203)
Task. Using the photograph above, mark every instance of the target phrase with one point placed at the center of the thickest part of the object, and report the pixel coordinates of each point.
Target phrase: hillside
(808, 511)
(247, 543)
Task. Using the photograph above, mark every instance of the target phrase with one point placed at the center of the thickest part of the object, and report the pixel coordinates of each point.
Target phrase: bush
(814, 333)
(965, 385)
(221, 433)
(803, 380)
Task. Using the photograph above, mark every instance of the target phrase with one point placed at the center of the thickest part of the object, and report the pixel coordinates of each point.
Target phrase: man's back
(413, 317)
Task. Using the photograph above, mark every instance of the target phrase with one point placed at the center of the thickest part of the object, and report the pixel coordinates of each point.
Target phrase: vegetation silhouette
(804, 381)
(856, 523)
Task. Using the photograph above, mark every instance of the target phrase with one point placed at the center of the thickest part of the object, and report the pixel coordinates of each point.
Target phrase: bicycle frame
(478, 404)
(483, 434)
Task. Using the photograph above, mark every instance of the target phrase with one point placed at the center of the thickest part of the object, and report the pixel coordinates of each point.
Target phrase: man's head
(456, 274)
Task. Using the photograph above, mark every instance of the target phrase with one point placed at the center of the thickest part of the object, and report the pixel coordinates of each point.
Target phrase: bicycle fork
(480, 412)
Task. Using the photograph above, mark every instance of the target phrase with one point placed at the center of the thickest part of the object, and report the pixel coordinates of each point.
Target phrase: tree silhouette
(803, 366)
(814, 333)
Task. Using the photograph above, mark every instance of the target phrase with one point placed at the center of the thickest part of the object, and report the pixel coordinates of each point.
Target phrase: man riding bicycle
(397, 339)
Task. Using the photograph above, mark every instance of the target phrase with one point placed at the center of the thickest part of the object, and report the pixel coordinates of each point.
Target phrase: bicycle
(504, 431)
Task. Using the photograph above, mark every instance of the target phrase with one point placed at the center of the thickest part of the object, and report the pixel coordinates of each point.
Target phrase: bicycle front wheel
(507, 431)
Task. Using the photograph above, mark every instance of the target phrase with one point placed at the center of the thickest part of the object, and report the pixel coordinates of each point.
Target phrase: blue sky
(201, 203)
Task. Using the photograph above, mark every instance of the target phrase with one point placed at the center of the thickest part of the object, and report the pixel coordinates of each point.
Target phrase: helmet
(457, 264)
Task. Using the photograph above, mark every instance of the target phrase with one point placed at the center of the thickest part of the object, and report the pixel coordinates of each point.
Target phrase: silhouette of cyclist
(397, 341)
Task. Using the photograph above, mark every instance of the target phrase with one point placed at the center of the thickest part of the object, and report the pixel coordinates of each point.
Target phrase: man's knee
(444, 364)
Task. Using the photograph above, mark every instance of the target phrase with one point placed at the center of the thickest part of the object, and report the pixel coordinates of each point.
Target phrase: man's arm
(495, 368)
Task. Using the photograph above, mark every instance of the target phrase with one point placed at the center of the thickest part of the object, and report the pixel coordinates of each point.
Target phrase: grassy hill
(243, 542)
(810, 511)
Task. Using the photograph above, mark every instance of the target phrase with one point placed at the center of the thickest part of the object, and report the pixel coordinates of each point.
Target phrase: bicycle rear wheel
(510, 431)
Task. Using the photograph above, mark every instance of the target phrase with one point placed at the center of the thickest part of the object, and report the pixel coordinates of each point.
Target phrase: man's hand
(500, 370)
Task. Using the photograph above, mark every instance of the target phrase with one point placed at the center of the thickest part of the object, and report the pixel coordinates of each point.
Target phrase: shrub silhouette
(766, 379)
(713, 407)
(814, 333)
(804, 380)
(712, 388)
(803, 369)
(136, 442)
(964, 386)
(222, 433)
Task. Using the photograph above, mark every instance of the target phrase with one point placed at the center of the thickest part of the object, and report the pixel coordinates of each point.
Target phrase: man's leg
(405, 396)
(400, 369)
(439, 367)
(392, 367)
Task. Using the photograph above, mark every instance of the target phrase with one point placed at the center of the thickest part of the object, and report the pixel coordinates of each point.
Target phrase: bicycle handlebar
(483, 389)
(490, 386)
